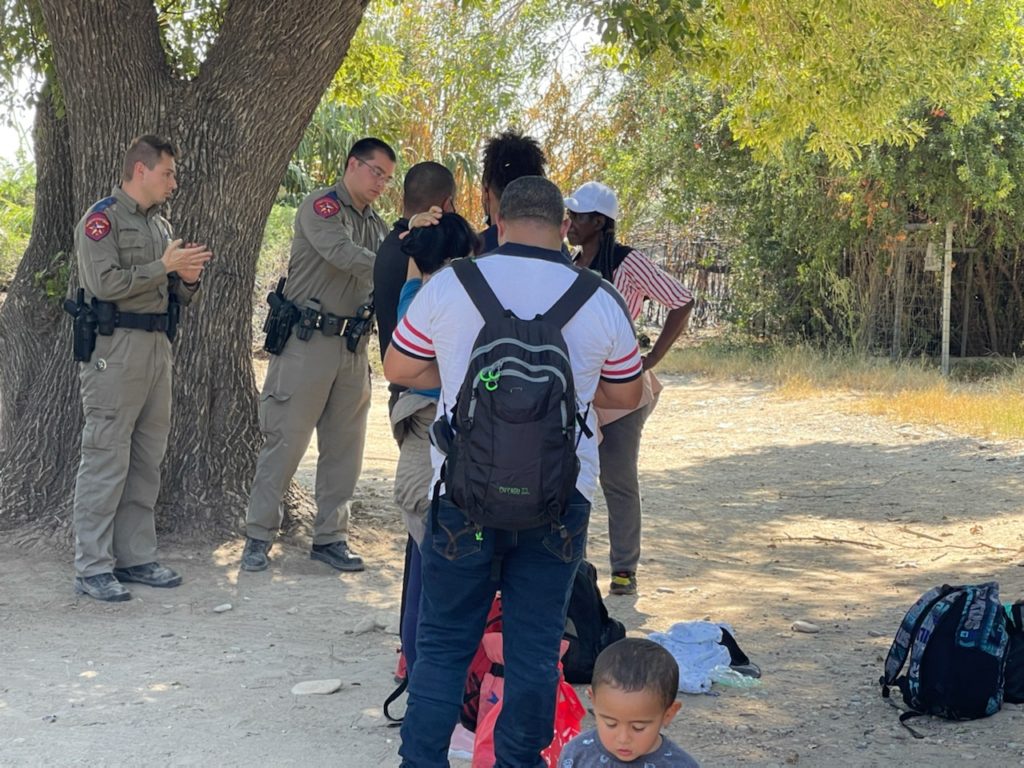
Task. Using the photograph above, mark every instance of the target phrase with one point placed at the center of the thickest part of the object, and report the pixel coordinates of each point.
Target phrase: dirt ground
(760, 511)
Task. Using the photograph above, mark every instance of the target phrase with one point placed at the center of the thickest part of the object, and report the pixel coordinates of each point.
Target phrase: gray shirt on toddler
(586, 751)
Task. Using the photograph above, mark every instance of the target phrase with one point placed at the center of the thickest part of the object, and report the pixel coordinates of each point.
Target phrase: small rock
(222, 608)
(49, 718)
(367, 624)
(805, 627)
(292, 611)
(876, 633)
(316, 687)
(666, 590)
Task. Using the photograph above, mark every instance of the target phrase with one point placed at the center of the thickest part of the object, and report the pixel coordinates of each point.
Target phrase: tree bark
(988, 300)
(236, 125)
(37, 373)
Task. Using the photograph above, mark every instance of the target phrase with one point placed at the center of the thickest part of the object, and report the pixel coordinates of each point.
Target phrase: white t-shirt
(443, 323)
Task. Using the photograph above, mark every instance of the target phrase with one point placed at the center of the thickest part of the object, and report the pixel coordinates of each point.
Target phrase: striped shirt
(637, 278)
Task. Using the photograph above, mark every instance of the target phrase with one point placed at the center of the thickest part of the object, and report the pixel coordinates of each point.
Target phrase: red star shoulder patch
(326, 206)
(97, 226)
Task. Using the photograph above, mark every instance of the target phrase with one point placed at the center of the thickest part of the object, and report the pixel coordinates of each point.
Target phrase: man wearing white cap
(593, 211)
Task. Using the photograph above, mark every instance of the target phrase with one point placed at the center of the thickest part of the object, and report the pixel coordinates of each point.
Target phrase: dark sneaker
(150, 574)
(623, 583)
(102, 586)
(337, 555)
(254, 558)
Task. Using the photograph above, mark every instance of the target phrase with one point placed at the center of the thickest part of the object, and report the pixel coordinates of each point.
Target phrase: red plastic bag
(569, 713)
(479, 668)
(569, 710)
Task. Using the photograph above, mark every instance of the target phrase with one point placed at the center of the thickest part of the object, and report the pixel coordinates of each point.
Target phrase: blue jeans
(535, 576)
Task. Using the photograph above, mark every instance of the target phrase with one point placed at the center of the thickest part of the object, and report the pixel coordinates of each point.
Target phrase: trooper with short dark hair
(320, 377)
(134, 277)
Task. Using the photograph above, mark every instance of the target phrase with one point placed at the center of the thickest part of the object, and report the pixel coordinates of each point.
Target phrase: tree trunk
(40, 419)
(987, 289)
(236, 125)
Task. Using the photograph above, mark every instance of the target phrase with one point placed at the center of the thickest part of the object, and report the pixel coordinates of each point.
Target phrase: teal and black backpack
(955, 642)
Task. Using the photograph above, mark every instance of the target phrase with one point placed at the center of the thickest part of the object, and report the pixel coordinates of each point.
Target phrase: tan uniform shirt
(119, 248)
(333, 251)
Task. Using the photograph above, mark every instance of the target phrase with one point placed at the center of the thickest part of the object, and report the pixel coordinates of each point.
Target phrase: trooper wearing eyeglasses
(317, 381)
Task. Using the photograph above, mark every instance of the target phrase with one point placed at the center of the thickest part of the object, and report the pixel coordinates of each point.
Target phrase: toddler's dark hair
(635, 664)
(430, 247)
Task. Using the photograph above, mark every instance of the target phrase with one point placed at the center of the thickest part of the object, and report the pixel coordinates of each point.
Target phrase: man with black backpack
(521, 344)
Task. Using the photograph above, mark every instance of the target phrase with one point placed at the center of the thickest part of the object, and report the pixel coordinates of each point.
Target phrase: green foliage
(814, 240)
(24, 55)
(835, 76)
(277, 237)
(17, 194)
(187, 30)
(53, 281)
(406, 80)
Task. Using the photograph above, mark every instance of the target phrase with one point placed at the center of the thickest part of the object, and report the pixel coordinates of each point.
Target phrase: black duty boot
(337, 555)
(102, 586)
(254, 558)
(150, 574)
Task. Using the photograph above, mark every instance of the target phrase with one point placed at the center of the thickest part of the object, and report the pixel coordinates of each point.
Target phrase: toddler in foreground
(633, 691)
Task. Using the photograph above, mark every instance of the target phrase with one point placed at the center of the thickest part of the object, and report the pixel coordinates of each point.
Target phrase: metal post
(947, 280)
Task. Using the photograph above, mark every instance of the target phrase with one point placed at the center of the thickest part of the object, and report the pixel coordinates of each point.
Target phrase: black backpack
(588, 627)
(511, 449)
(1013, 691)
(956, 640)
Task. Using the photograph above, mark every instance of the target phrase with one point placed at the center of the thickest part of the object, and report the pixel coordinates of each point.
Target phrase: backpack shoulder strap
(582, 288)
(481, 294)
(901, 644)
(392, 698)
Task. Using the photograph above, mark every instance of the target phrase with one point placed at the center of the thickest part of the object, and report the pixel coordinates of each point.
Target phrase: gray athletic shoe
(337, 555)
(102, 586)
(623, 583)
(254, 558)
(150, 574)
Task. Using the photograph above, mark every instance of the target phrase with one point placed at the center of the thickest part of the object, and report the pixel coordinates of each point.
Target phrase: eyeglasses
(377, 171)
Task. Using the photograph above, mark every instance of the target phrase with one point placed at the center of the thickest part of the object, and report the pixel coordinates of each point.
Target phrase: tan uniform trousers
(126, 396)
(411, 418)
(316, 384)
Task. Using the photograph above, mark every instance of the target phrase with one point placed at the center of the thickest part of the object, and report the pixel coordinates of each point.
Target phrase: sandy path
(759, 511)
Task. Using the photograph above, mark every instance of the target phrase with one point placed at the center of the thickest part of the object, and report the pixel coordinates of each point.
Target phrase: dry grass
(979, 399)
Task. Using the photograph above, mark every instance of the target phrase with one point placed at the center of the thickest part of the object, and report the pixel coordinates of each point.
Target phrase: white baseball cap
(594, 197)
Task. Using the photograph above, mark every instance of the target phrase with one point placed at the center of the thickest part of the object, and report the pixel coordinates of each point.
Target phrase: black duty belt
(332, 325)
(141, 322)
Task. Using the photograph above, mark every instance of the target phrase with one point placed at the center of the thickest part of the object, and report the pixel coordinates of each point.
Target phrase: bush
(17, 193)
(272, 263)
